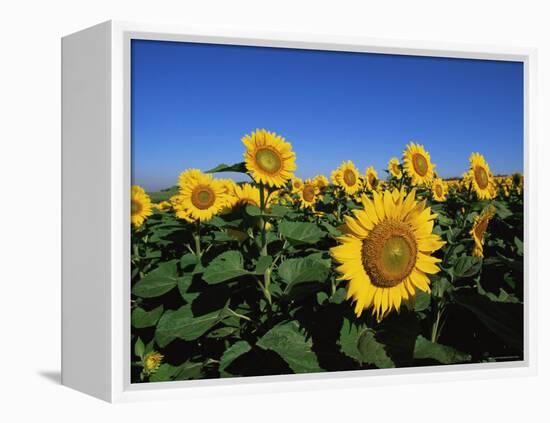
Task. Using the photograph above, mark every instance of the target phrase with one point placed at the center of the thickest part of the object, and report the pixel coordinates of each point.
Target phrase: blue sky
(192, 103)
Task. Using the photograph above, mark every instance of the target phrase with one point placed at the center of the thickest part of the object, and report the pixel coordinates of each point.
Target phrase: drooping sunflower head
(481, 178)
(347, 177)
(140, 206)
(394, 167)
(439, 189)
(269, 158)
(202, 195)
(417, 164)
(371, 178)
(297, 185)
(151, 362)
(321, 181)
(308, 194)
(248, 194)
(386, 252)
(479, 228)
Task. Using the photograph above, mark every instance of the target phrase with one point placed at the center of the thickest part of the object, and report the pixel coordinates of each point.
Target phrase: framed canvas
(261, 212)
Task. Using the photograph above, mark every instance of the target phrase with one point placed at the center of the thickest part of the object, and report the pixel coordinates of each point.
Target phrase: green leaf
(339, 296)
(297, 270)
(183, 287)
(190, 370)
(237, 167)
(301, 232)
(226, 266)
(188, 260)
(425, 349)
(519, 245)
(349, 335)
(321, 297)
(139, 348)
(373, 352)
(466, 266)
(232, 353)
(222, 332)
(158, 282)
(183, 325)
(502, 209)
(144, 319)
(422, 301)
(290, 343)
(275, 211)
(164, 373)
(262, 264)
(167, 372)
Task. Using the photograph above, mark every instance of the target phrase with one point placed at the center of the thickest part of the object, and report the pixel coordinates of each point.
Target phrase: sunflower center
(308, 193)
(268, 160)
(370, 178)
(203, 197)
(349, 177)
(389, 253)
(439, 190)
(481, 176)
(296, 184)
(481, 228)
(420, 164)
(135, 207)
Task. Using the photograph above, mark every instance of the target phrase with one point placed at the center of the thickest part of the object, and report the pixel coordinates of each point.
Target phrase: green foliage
(158, 282)
(228, 265)
(292, 345)
(225, 299)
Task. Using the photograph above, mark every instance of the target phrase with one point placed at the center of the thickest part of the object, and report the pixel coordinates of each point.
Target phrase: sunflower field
(347, 271)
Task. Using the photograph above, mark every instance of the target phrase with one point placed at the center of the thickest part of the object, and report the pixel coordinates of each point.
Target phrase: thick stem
(263, 221)
(197, 237)
(267, 282)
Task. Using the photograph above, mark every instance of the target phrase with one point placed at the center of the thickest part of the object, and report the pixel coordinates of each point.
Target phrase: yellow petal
(427, 264)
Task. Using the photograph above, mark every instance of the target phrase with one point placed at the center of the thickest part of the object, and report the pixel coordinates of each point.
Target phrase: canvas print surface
(301, 211)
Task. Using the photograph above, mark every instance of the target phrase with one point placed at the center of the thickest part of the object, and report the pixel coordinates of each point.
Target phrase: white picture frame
(96, 228)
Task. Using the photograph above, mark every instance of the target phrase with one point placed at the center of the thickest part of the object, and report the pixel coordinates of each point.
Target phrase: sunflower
(479, 228)
(371, 178)
(417, 164)
(176, 201)
(394, 167)
(140, 206)
(480, 178)
(297, 185)
(347, 177)
(246, 194)
(386, 251)
(162, 206)
(269, 158)
(321, 181)
(439, 189)
(335, 175)
(230, 198)
(151, 362)
(308, 195)
(202, 195)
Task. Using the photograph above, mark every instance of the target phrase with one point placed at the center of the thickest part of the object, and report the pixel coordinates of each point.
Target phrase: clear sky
(192, 103)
